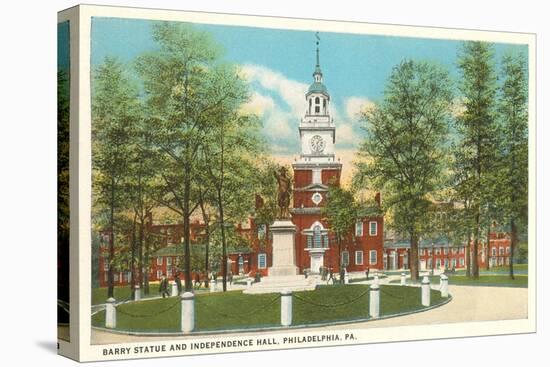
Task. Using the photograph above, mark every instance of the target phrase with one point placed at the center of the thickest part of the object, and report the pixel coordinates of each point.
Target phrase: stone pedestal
(316, 258)
(284, 253)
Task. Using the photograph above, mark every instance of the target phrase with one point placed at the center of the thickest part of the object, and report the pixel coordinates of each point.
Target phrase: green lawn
(235, 310)
(504, 270)
(484, 280)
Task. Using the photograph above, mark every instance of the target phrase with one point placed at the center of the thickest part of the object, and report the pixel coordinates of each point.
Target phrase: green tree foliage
(513, 115)
(341, 213)
(115, 109)
(476, 154)
(403, 151)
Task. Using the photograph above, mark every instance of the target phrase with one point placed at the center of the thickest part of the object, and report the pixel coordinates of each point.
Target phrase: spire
(317, 65)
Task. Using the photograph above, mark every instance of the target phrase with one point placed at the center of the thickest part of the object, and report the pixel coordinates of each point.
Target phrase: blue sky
(279, 66)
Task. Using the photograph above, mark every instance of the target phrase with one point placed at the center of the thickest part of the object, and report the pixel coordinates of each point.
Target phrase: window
(261, 231)
(262, 261)
(159, 260)
(316, 100)
(359, 229)
(169, 261)
(429, 252)
(116, 277)
(316, 176)
(437, 263)
(461, 261)
(317, 109)
(129, 276)
(453, 263)
(106, 277)
(358, 257)
(438, 251)
(345, 258)
(445, 251)
(159, 274)
(446, 263)
(508, 249)
(453, 251)
(422, 252)
(462, 250)
(372, 257)
(494, 251)
(317, 236)
(105, 265)
(430, 263)
(501, 251)
(373, 228)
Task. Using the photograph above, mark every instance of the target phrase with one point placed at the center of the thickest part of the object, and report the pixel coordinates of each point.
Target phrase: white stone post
(403, 279)
(248, 283)
(174, 289)
(213, 286)
(425, 289)
(110, 314)
(374, 304)
(346, 278)
(286, 308)
(137, 291)
(187, 312)
(444, 286)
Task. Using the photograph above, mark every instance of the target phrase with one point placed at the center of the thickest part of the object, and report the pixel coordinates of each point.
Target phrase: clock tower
(315, 169)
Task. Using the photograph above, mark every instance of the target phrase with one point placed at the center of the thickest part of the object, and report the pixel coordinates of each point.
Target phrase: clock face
(317, 144)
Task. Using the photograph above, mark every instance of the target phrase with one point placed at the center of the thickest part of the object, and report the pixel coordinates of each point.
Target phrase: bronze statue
(285, 189)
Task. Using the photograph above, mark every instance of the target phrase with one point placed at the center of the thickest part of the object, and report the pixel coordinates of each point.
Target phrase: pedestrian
(197, 279)
(230, 277)
(163, 287)
(367, 272)
(330, 276)
(178, 282)
(342, 274)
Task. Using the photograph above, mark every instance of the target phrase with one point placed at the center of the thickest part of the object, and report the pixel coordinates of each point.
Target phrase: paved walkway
(468, 304)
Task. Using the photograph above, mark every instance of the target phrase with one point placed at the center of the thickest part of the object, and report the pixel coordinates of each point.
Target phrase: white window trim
(265, 261)
(375, 257)
(169, 260)
(356, 258)
(345, 263)
(359, 229)
(375, 228)
(160, 260)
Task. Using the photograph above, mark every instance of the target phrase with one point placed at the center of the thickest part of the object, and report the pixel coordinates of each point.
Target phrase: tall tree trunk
(206, 220)
(414, 258)
(475, 262)
(488, 247)
(140, 251)
(110, 277)
(186, 230)
(467, 253)
(224, 244)
(133, 260)
(513, 242)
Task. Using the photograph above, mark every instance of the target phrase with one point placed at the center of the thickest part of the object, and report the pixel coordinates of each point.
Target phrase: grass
(235, 310)
(484, 280)
(504, 270)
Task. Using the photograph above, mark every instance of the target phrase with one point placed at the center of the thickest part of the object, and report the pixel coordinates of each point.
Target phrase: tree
(115, 109)
(179, 96)
(341, 212)
(477, 128)
(228, 154)
(513, 115)
(404, 146)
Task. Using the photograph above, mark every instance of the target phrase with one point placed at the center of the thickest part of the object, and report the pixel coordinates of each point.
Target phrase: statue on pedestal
(284, 191)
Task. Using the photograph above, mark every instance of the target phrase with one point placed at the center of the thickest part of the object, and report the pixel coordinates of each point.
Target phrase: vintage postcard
(238, 183)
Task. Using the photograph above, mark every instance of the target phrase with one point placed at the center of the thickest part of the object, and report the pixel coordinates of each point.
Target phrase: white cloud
(356, 105)
(290, 91)
(258, 104)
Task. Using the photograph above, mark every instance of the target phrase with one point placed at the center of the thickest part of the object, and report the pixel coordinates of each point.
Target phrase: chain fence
(331, 305)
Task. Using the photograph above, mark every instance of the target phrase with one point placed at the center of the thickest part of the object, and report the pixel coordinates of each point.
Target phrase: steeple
(317, 74)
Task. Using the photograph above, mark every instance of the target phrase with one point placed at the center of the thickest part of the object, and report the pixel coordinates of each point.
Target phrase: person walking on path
(330, 276)
(163, 288)
(178, 282)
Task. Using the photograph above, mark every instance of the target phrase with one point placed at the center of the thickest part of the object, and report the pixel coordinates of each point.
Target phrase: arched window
(316, 100)
(317, 236)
